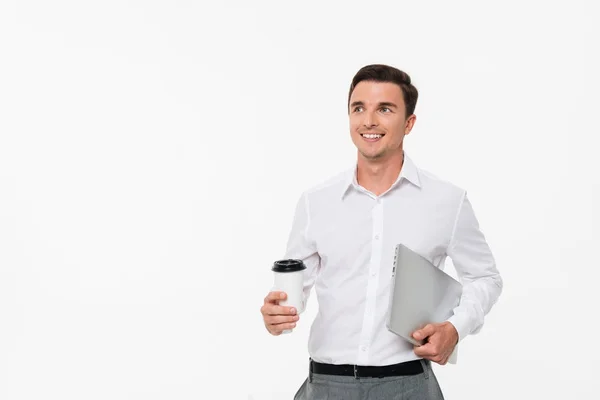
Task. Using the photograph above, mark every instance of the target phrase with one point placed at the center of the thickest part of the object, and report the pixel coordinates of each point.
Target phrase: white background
(151, 155)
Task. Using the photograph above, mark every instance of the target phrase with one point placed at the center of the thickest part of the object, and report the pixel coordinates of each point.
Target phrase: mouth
(372, 137)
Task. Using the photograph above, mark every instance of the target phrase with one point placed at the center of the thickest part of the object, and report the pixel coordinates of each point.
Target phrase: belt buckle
(356, 372)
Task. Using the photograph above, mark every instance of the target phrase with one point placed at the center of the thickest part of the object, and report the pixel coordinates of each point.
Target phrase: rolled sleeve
(476, 270)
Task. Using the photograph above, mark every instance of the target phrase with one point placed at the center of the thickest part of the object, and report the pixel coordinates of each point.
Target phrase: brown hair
(385, 73)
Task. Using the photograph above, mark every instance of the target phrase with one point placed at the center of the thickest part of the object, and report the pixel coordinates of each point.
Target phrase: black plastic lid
(288, 266)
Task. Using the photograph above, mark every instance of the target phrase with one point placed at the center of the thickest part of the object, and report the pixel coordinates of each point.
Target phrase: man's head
(381, 104)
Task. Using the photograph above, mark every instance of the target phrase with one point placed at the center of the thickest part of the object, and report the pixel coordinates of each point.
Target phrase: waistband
(413, 367)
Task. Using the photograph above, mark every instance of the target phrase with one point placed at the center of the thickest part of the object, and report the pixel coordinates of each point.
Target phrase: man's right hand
(278, 318)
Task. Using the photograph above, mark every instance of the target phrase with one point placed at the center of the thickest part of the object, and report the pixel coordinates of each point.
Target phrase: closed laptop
(421, 293)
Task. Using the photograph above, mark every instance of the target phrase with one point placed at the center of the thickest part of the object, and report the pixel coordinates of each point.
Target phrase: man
(345, 231)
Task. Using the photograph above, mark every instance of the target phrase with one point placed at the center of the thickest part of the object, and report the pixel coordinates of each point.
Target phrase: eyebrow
(382, 104)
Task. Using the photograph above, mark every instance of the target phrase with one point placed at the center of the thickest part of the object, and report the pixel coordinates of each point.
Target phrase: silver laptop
(420, 293)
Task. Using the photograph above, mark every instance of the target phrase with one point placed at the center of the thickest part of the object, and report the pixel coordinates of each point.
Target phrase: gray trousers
(423, 386)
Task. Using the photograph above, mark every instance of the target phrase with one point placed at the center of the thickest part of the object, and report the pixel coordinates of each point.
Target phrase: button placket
(372, 284)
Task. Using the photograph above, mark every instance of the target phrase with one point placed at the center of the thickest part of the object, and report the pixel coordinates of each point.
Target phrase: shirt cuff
(461, 324)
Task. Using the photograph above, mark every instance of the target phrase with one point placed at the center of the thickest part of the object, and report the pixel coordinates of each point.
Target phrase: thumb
(424, 332)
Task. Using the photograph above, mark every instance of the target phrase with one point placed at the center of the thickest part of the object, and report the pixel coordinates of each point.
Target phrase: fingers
(424, 332)
(425, 351)
(276, 324)
(280, 319)
(277, 329)
(433, 352)
(439, 343)
(442, 360)
(274, 297)
(272, 309)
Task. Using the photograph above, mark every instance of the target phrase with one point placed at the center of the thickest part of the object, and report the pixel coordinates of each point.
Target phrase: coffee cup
(289, 278)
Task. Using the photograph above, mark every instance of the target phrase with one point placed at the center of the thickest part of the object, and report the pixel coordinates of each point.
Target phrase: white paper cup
(289, 278)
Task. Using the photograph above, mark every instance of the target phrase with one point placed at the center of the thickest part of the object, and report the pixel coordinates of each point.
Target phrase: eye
(358, 109)
(386, 109)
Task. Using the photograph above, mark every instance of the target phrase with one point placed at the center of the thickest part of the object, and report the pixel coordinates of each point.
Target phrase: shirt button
(376, 237)
(373, 273)
(363, 348)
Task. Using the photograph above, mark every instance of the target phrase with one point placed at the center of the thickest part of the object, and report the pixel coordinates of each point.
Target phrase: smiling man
(345, 230)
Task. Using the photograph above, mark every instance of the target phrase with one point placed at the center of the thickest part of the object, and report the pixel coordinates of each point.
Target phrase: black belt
(413, 367)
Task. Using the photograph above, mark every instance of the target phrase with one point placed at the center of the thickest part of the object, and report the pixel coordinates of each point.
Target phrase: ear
(410, 122)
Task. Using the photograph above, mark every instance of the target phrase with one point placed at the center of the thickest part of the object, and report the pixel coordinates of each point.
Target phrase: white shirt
(346, 236)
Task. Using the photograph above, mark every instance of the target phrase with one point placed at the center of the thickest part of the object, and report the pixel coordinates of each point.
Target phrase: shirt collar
(409, 171)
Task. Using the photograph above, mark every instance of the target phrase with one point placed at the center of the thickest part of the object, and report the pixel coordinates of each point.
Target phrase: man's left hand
(441, 339)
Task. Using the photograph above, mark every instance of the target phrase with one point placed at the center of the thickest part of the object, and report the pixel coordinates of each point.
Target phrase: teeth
(372, 136)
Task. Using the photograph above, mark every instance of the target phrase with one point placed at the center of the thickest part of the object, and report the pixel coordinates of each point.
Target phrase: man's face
(377, 119)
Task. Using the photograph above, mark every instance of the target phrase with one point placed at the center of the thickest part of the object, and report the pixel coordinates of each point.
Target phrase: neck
(377, 176)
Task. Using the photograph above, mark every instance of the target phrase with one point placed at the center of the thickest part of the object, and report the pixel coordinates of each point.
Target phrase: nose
(370, 120)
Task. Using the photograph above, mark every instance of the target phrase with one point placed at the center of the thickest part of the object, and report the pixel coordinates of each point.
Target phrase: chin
(372, 156)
